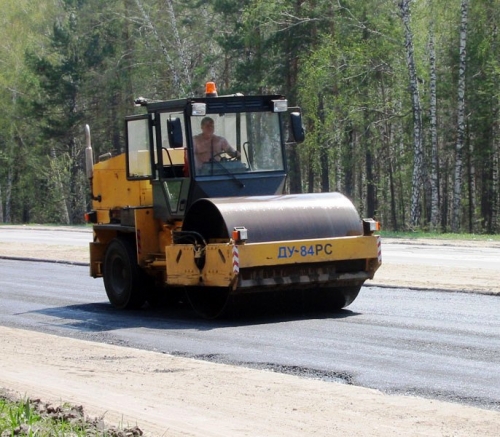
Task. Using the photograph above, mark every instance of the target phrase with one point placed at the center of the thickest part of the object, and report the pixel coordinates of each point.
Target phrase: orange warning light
(210, 89)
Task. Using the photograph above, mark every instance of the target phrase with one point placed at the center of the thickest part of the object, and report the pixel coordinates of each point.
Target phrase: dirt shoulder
(173, 396)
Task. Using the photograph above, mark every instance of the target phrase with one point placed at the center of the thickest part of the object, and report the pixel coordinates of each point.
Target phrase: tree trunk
(434, 167)
(417, 117)
(457, 183)
(445, 201)
(394, 215)
(77, 204)
(323, 150)
(370, 186)
(294, 170)
(178, 85)
(495, 201)
(472, 188)
(295, 175)
(311, 175)
(128, 56)
(495, 147)
(179, 46)
(348, 163)
(59, 190)
(8, 194)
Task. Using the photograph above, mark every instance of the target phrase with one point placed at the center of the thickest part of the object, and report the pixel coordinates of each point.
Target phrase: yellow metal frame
(219, 269)
(181, 266)
(109, 181)
(307, 251)
(147, 229)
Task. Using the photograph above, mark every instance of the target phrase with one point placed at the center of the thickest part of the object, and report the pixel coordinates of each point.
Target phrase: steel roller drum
(275, 218)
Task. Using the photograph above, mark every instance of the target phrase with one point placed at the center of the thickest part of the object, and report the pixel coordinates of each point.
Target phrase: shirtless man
(208, 146)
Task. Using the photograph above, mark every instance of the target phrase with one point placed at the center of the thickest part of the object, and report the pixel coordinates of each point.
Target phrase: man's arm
(231, 151)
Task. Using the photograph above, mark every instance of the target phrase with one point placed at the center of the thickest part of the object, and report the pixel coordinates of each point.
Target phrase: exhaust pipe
(89, 154)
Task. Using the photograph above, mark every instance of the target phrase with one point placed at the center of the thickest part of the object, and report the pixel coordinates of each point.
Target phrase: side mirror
(174, 129)
(298, 131)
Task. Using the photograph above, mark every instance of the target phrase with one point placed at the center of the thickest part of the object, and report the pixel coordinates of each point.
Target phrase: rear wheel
(122, 275)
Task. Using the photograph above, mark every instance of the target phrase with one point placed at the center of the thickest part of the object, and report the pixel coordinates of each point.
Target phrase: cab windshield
(237, 143)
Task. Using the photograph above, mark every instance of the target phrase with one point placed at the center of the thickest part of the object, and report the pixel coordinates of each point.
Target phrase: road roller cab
(216, 223)
(161, 148)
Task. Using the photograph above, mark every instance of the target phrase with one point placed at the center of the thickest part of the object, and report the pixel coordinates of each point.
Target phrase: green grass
(14, 416)
(440, 236)
(24, 417)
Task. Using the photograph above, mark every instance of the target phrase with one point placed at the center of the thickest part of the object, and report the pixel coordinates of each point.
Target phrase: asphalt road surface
(444, 255)
(433, 344)
(70, 236)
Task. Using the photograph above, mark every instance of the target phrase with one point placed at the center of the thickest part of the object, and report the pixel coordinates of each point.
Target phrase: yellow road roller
(195, 205)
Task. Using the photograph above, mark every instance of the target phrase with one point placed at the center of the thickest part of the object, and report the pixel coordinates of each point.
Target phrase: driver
(208, 146)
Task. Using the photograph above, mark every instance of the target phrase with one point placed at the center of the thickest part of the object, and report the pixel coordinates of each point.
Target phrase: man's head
(207, 127)
(207, 124)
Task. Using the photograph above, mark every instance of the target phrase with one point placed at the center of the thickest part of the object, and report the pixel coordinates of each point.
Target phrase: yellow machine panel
(310, 251)
(111, 186)
(147, 231)
(181, 266)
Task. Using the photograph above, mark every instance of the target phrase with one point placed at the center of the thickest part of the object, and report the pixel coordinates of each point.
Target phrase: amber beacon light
(210, 89)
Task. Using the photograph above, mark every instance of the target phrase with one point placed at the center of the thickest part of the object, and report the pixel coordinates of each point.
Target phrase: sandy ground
(172, 396)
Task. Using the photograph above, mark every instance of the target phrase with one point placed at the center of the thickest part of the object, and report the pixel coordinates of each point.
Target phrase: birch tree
(457, 183)
(180, 82)
(418, 152)
(433, 174)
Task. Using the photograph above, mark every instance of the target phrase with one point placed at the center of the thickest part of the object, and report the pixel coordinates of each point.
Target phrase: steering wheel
(223, 158)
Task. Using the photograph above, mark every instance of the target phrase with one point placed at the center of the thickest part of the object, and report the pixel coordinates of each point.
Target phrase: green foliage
(31, 418)
(18, 416)
(67, 63)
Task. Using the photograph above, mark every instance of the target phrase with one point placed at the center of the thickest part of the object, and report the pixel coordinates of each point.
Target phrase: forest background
(400, 98)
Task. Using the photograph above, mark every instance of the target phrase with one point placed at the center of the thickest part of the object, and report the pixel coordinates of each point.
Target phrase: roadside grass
(440, 236)
(32, 418)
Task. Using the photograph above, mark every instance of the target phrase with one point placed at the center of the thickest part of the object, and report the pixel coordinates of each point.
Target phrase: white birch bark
(171, 64)
(417, 176)
(457, 183)
(434, 181)
(179, 45)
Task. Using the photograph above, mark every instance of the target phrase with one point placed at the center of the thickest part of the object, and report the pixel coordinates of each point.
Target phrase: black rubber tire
(208, 302)
(122, 275)
(336, 298)
(158, 296)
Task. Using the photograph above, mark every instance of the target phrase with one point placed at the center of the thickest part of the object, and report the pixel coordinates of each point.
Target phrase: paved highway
(68, 236)
(486, 258)
(433, 344)
(471, 257)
